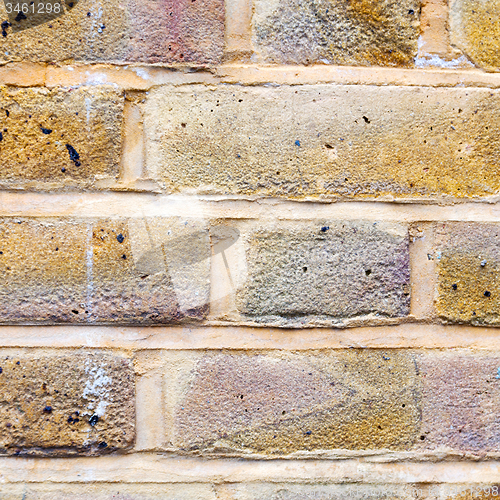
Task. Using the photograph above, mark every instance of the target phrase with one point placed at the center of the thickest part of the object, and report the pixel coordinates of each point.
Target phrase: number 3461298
(32, 8)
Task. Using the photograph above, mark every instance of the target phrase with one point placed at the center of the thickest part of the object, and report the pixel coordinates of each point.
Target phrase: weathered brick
(468, 263)
(281, 403)
(165, 31)
(110, 271)
(460, 401)
(326, 271)
(59, 138)
(356, 32)
(475, 28)
(325, 141)
(287, 491)
(65, 403)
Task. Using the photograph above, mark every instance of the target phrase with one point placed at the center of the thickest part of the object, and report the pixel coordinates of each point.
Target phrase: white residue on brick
(97, 390)
(90, 272)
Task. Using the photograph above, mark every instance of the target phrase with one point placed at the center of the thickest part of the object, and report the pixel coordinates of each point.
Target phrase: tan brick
(65, 403)
(287, 491)
(167, 31)
(280, 403)
(475, 28)
(326, 271)
(460, 401)
(105, 491)
(127, 271)
(325, 141)
(59, 138)
(468, 288)
(355, 32)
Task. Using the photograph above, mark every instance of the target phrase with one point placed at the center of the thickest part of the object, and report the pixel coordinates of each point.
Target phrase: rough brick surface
(59, 138)
(61, 404)
(276, 404)
(460, 402)
(154, 31)
(323, 269)
(86, 271)
(107, 492)
(468, 258)
(325, 140)
(475, 28)
(355, 32)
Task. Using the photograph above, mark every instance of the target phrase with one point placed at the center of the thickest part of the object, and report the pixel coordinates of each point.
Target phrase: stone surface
(84, 271)
(153, 31)
(325, 141)
(65, 403)
(355, 32)
(280, 403)
(468, 260)
(460, 401)
(59, 138)
(107, 492)
(475, 29)
(326, 269)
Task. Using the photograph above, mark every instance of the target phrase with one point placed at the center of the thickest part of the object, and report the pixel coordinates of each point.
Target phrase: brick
(475, 29)
(460, 401)
(326, 271)
(325, 141)
(65, 403)
(337, 32)
(52, 139)
(101, 491)
(287, 491)
(468, 263)
(152, 31)
(130, 271)
(280, 403)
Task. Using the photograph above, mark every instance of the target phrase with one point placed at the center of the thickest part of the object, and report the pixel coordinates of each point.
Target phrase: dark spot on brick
(74, 311)
(70, 420)
(297, 143)
(48, 409)
(124, 257)
(18, 362)
(1, 136)
(120, 238)
(7, 112)
(1, 369)
(411, 12)
(20, 17)
(93, 420)
(324, 229)
(487, 294)
(308, 433)
(5, 25)
(366, 119)
(73, 154)
(368, 272)
(46, 131)
(103, 444)
(63, 170)
(454, 286)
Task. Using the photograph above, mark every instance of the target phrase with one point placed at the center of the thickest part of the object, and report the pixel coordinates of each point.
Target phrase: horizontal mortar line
(152, 468)
(144, 77)
(414, 336)
(116, 205)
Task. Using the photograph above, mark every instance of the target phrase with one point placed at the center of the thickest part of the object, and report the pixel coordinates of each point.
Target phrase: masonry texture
(249, 250)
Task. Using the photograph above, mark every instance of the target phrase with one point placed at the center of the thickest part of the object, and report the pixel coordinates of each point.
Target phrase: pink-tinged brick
(152, 31)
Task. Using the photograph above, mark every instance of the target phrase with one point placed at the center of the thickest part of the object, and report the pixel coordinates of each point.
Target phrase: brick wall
(250, 250)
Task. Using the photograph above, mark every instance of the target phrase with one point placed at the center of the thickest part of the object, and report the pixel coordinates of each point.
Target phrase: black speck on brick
(73, 154)
(93, 420)
(1, 136)
(4, 26)
(120, 238)
(20, 16)
(46, 131)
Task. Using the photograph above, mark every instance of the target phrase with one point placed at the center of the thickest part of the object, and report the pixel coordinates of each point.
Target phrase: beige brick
(468, 288)
(105, 491)
(52, 139)
(128, 271)
(168, 31)
(326, 271)
(339, 31)
(280, 403)
(287, 491)
(460, 401)
(325, 141)
(61, 403)
(475, 29)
